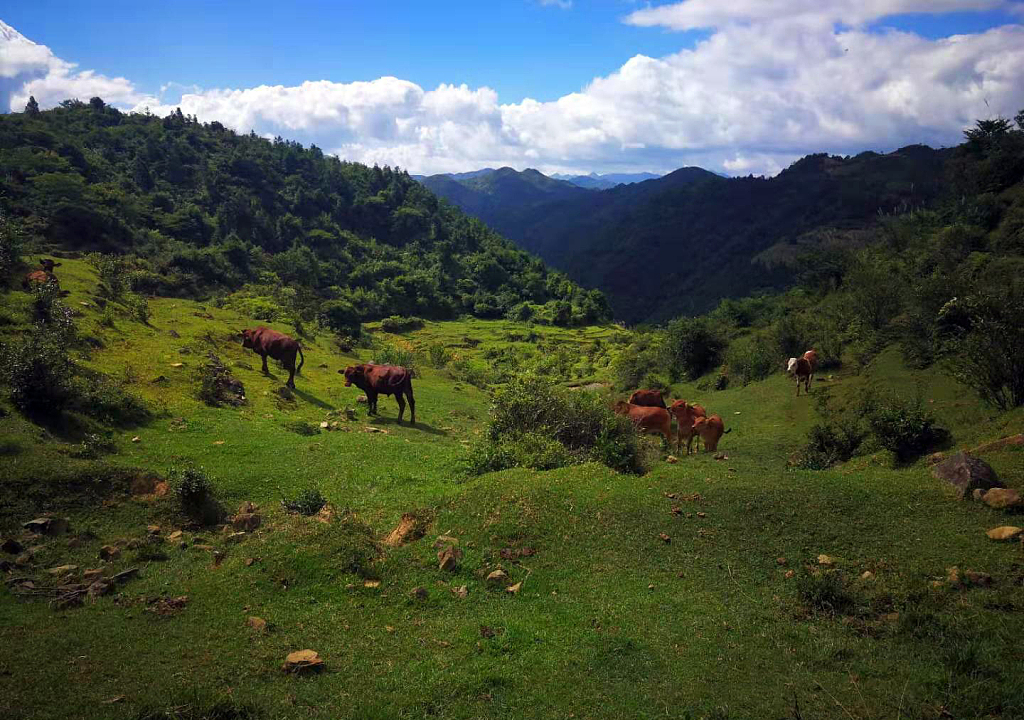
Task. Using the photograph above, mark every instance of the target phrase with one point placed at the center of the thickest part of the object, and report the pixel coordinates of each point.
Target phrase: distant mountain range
(680, 243)
(594, 181)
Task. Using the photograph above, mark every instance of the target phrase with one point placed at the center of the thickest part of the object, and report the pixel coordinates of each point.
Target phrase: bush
(107, 401)
(539, 425)
(901, 426)
(93, 446)
(693, 347)
(399, 324)
(475, 374)
(341, 317)
(831, 443)
(439, 355)
(307, 502)
(10, 246)
(138, 308)
(38, 372)
(642, 357)
(385, 353)
(752, 358)
(194, 490)
(215, 385)
(113, 272)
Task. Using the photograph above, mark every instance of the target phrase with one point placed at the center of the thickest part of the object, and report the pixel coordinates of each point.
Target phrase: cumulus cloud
(563, 4)
(750, 98)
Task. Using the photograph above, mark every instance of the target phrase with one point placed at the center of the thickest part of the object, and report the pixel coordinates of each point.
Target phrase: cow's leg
(291, 377)
(401, 405)
(266, 370)
(371, 401)
(412, 405)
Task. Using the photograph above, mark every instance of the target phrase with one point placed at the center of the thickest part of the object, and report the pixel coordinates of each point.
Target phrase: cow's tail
(727, 431)
(302, 358)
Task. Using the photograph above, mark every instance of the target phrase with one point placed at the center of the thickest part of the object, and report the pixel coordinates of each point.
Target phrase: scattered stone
(235, 537)
(372, 584)
(1002, 498)
(966, 473)
(651, 586)
(1006, 532)
(978, 578)
(176, 535)
(978, 494)
(671, 459)
(1011, 441)
(789, 574)
(362, 399)
(411, 527)
(721, 456)
(177, 365)
(461, 592)
(115, 699)
(497, 578)
(781, 561)
(953, 576)
(153, 529)
(325, 425)
(249, 562)
(91, 576)
(449, 559)
(109, 553)
(676, 510)
(246, 522)
(302, 662)
(513, 589)
(100, 587)
(935, 458)
(135, 439)
(444, 540)
(826, 560)
(664, 538)
(124, 575)
(419, 593)
(867, 576)
(12, 546)
(47, 526)
(62, 570)
(257, 623)
(248, 507)
(702, 515)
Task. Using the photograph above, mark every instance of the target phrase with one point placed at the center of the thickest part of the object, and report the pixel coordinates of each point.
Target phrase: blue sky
(606, 85)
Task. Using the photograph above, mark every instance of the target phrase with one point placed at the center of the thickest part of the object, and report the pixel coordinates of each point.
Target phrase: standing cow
(803, 368)
(377, 380)
(647, 398)
(710, 429)
(40, 277)
(649, 419)
(266, 342)
(686, 415)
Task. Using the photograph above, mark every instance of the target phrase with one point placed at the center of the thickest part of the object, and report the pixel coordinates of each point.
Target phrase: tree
(32, 107)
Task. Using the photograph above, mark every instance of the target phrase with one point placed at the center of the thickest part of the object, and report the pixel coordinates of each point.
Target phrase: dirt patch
(148, 486)
(410, 528)
(166, 606)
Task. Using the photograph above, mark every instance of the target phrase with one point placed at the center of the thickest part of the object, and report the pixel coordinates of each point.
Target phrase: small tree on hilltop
(32, 107)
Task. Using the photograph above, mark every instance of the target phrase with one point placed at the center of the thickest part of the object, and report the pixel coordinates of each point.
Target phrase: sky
(739, 87)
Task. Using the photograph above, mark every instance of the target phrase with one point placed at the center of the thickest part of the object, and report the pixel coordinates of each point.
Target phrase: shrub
(399, 324)
(107, 317)
(215, 385)
(107, 401)
(825, 591)
(113, 272)
(307, 502)
(194, 490)
(634, 362)
(38, 372)
(10, 246)
(385, 353)
(93, 446)
(530, 416)
(439, 355)
(752, 358)
(475, 374)
(831, 443)
(901, 426)
(693, 347)
(138, 308)
(340, 316)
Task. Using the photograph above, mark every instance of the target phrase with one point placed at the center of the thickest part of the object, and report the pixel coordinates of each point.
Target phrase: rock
(1002, 498)
(781, 561)
(153, 529)
(1006, 532)
(257, 623)
(498, 578)
(362, 399)
(444, 540)
(676, 510)
(248, 507)
(100, 587)
(966, 473)
(449, 559)
(372, 584)
(419, 593)
(978, 578)
(12, 546)
(702, 515)
(1011, 441)
(935, 458)
(978, 494)
(721, 456)
(136, 438)
(513, 589)
(411, 527)
(867, 576)
(325, 425)
(789, 574)
(461, 592)
(109, 553)
(249, 562)
(826, 560)
(671, 459)
(124, 575)
(246, 522)
(62, 570)
(664, 538)
(177, 365)
(235, 537)
(47, 526)
(176, 535)
(91, 576)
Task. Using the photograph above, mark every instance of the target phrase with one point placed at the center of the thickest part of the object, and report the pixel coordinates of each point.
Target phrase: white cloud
(563, 4)
(750, 98)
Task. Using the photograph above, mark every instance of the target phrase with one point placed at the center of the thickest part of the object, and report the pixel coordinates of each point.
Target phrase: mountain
(594, 181)
(203, 211)
(680, 243)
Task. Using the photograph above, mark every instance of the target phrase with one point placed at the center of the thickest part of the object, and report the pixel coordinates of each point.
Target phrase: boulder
(1006, 532)
(109, 553)
(1002, 498)
(965, 473)
(498, 578)
(302, 661)
(47, 526)
(100, 587)
(449, 559)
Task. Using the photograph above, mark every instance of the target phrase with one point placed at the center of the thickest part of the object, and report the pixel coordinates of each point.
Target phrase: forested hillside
(681, 243)
(205, 211)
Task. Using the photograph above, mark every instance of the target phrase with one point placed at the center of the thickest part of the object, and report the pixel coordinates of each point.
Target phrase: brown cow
(711, 429)
(803, 368)
(685, 415)
(41, 277)
(647, 398)
(649, 419)
(266, 342)
(377, 380)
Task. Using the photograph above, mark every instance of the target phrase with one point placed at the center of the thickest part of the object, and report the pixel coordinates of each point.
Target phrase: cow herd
(647, 410)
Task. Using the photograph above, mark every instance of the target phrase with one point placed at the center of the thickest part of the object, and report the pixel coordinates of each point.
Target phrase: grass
(610, 621)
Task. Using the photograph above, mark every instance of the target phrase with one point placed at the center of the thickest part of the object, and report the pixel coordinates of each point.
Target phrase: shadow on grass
(312, 400)
(430, 429)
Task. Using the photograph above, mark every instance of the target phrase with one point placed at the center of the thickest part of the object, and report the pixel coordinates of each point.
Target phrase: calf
(266, 342)
(647, 398)
(685, 415)
(711, 429)
(649, 419)
(40, 277)
(377, 380)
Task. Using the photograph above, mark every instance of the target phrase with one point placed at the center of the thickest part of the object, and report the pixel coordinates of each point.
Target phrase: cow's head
(247, 338)
(353, 374)
(621, 408)
(791, 365)
(48, 264)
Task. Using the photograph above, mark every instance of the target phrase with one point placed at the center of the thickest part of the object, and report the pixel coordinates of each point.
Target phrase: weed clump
(38, 372)
(214, 385)
(538, 425)
(194, 490)
(398, 324)
(903, 427)
(830, 443)
(385, 353)
(439, 355)
(308, 502)
(301, 427)
(825, 591)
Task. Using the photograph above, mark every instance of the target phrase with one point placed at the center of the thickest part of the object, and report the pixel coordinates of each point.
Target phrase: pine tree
(32, 107)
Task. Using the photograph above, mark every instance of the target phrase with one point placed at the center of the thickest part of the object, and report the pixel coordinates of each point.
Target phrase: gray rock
(966, 473)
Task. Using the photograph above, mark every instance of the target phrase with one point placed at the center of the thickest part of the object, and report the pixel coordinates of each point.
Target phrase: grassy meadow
(611, 620)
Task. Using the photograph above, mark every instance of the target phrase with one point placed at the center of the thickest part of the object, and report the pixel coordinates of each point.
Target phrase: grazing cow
(649, 419)
(685, 415)
(803, 368)
(711, 429)
(266, 342)
(377, 380)
(647, 398)
(41, 277)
